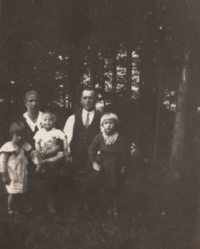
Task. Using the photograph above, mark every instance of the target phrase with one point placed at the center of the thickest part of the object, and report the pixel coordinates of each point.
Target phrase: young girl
(46, 142)
(13, 164)
(111, 161)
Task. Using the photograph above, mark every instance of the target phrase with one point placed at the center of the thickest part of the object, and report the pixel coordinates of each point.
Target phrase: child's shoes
(29, 210)
(11, 212)
(109, 211)
(52, 210)
(115, 211)
(115, 214)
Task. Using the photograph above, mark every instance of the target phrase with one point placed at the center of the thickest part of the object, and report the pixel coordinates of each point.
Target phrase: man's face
(88, 100)
(32, 103)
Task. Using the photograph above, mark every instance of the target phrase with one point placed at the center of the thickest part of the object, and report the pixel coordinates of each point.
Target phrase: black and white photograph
(100, 124)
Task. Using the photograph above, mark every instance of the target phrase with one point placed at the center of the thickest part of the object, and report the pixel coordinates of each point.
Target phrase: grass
(153, 215)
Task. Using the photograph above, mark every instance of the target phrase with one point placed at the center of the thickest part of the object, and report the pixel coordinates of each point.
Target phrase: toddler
(46, 142)
(13, 164)
(107, 154)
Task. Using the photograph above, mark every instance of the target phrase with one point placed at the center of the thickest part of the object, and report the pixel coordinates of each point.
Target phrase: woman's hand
(96, 166)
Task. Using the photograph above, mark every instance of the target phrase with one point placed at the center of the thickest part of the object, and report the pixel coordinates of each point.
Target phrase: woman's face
(32, 103)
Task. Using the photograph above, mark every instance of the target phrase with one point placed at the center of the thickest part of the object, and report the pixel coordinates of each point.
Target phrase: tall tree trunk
(158, 117)
(93, 57)
(74, 79)
(159, 101)
(177, 155)
(129, 73)
(114, 72)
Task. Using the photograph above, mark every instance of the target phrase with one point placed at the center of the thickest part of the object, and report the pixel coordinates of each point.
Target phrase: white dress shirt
(69, 126)
(31, 123)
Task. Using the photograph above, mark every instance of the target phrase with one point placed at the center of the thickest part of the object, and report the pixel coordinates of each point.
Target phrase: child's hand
(96, 166)
(6, 179)
(123, 170)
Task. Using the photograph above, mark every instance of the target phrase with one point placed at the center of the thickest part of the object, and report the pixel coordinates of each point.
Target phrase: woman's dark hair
(17, 127)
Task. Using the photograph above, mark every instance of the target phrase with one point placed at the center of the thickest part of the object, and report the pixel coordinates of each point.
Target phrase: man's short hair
(87, 88)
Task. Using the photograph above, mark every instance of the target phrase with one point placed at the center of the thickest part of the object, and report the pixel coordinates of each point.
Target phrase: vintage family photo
(99, 124)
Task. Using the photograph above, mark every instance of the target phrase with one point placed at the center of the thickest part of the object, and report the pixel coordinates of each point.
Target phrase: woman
(32, 118)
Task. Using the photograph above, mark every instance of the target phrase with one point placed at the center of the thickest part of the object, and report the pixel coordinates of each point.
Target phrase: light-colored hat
(109, 116)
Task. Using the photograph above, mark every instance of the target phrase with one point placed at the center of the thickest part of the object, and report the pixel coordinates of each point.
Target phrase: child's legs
(12, 199)
(115, 200)
(93, 185)
(108, 197)
(111, 195)
(51, 183)
(52, 194)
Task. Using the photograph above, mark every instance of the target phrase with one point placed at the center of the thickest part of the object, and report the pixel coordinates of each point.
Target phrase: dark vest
(29, 134)
(82, 137)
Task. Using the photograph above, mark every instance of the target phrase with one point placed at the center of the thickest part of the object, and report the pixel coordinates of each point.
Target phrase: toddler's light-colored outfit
(48, 139)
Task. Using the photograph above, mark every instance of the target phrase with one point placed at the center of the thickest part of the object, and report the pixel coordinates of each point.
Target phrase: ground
(154, 214)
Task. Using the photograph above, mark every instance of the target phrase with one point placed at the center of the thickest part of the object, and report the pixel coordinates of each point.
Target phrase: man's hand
(96, 166)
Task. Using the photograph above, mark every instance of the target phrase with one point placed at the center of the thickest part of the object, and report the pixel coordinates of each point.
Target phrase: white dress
(14, 161)
(48, 139)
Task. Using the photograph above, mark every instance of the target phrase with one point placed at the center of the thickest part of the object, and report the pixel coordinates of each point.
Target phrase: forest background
(142, 57)
(133, 52)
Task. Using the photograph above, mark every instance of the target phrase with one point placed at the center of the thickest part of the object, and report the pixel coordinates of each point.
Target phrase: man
(80, 130)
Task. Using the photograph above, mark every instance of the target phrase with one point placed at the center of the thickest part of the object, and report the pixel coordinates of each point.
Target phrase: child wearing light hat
(111, 161)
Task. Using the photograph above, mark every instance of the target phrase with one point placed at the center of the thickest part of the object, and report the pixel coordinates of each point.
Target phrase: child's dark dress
(112, 158)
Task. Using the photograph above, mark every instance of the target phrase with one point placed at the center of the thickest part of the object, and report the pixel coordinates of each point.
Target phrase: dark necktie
(36, 129)
(87, 121)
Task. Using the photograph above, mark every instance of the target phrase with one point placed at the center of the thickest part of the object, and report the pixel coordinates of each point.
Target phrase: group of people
(89, 143)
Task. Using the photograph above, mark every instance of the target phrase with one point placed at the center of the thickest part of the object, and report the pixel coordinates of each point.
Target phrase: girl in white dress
(13, 164)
